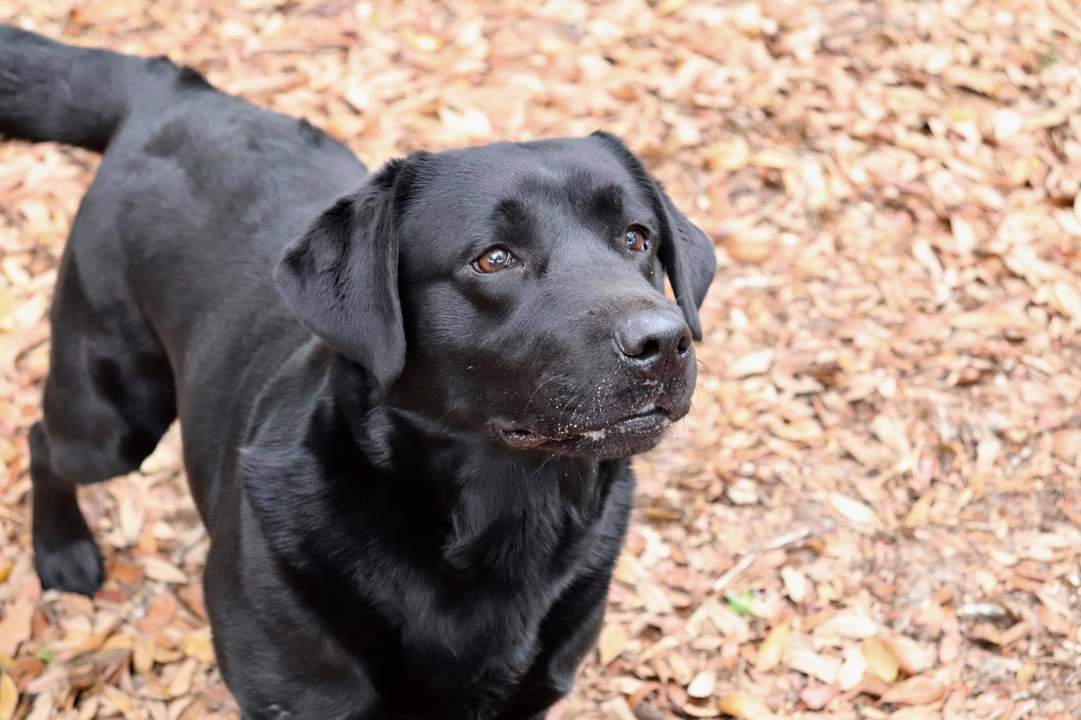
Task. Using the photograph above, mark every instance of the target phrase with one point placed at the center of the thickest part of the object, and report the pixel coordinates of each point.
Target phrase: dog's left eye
(494, 259)
(636, 238)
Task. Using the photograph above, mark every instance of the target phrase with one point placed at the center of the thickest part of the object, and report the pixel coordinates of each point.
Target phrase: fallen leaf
(742, 492)
(853, 510)
(1066, 444)
(703, 685)
(132, 514)
(740, 603)
(158, 569)
(612, 642)
(126, 573)
(1025, 674)
(880, 659)
(918, 690)
(42, 708)
(181, 682)
(159, 613)
(964, 233)
(852, 623)
(912, 657)
(803, 431)
(853, 668)
(754, 363)
(192, 595)
(813, 664)
(617, 709)
(772, 649)
(891, 432)
(119, 641)
(15, 627)
(9, 696)
(917, 713)
(728, 156)
(1067, 298)
(744, 706)
(695, 708)
(949, 649)
(817, 697)
(119, 700)
(795, 584)
(1007, 124)
(143, 652)
(197, 646)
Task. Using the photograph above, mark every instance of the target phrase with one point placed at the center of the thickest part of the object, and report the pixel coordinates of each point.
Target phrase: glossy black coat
(414, 475)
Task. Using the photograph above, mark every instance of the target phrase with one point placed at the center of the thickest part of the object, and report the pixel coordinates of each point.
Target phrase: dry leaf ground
(875, 507)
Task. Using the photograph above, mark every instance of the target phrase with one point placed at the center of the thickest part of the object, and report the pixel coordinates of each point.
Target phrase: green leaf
(740, 603)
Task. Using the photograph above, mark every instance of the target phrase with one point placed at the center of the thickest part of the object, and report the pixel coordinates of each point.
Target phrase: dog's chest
(493, 589)
(476, 655)
(473, 634)
(448, 604)
(469, 661)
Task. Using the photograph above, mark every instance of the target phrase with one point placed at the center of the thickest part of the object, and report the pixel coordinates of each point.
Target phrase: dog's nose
(653, 341)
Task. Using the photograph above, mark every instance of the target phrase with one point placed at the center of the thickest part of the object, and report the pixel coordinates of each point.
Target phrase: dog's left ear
(685, 251)
(689, 259)
(341, 277)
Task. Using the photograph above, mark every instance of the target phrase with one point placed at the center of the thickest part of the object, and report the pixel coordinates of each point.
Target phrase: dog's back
(186, 167)
(193, 181)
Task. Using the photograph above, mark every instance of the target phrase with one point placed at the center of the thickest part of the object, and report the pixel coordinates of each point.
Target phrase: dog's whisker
(543, 382)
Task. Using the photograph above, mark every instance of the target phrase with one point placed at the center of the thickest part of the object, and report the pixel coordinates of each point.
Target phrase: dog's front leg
(275, 658)
(552, 675)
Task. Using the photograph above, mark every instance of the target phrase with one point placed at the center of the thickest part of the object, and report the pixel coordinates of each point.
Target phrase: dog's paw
(76, 566)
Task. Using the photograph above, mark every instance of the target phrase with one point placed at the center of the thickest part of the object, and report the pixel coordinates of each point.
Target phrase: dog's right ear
(341, 277)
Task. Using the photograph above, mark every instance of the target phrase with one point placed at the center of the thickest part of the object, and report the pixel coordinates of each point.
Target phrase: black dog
(406, 418)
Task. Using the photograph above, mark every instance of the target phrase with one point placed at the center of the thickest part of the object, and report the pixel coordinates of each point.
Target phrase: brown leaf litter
(874, 509)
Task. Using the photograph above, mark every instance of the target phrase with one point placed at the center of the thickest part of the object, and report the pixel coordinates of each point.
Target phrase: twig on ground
(783, 540)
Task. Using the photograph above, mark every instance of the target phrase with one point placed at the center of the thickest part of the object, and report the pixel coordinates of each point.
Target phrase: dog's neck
(491, 499)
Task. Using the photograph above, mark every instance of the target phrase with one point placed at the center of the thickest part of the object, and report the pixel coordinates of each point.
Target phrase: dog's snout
(651, 339)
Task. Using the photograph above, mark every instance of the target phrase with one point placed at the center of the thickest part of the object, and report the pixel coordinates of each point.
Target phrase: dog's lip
(648, 421)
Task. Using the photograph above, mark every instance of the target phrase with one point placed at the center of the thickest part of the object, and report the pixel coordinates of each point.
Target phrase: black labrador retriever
(407, 399)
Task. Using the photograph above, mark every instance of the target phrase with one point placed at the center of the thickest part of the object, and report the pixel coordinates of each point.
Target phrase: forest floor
(874, 509)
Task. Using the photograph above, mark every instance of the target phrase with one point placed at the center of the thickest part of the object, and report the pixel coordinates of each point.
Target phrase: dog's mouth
(625, 436)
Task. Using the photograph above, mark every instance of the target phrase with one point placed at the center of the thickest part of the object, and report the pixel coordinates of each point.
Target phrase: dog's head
(514, 290)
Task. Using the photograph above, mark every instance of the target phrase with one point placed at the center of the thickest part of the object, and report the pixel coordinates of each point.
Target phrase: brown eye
(636, 239)
(494, 259)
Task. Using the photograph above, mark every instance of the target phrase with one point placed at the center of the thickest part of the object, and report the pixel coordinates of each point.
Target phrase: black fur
(414, 475)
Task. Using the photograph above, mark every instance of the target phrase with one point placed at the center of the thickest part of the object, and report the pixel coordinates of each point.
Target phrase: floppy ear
(341, 277)
(685, 251)
(689, 259)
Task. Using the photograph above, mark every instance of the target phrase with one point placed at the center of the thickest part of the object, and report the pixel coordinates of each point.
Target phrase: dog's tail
(62, 93)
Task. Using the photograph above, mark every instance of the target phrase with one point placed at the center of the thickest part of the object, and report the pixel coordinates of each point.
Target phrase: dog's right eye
(494, 259)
